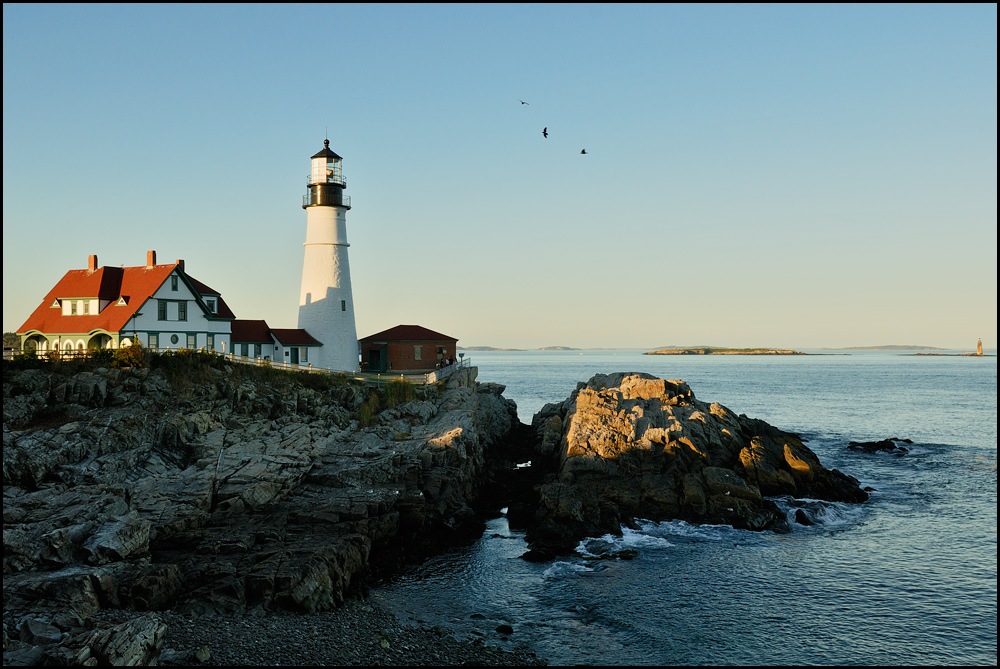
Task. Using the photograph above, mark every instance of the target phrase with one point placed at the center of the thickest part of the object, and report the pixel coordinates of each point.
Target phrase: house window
(210, 342)
(211, 305)
(416, 352)
(154, 341)
(174, 339)
(72, 308)
(86, 307)
(343, 305)
(256, 350)
(182, 311)
(192, 341)
(161, 310)
(173, 282)
(304, 354)
(244, 350)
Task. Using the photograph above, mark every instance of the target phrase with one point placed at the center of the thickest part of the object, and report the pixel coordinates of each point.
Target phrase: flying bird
(545, 131)
(522, 101)
(583, 151)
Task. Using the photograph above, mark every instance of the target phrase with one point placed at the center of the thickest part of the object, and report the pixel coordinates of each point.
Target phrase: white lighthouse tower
(326, 306)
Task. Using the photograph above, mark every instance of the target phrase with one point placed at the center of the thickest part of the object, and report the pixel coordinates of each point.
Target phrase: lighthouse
(326, 306)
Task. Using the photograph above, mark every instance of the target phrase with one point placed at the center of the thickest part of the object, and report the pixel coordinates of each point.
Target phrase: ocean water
(907, 578)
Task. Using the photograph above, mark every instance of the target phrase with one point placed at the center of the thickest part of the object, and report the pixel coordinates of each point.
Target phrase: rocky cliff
(630, 445)
(123, 490)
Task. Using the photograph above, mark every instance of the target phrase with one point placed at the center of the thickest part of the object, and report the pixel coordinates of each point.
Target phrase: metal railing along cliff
(372, 378)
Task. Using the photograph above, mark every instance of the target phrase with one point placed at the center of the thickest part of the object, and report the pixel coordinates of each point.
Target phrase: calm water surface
(909, 577)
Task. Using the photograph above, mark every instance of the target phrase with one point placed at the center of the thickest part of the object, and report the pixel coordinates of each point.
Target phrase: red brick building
(406, 348)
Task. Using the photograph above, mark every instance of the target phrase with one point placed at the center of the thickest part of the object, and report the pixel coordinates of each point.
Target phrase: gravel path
(359, 633)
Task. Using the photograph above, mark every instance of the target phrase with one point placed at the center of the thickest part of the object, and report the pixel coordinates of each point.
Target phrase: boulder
(631, 445)
(891, 446)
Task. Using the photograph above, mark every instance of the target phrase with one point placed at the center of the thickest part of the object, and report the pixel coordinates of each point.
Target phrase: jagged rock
(883, 446)
(38, 632)
(631, 445)
(122, 493)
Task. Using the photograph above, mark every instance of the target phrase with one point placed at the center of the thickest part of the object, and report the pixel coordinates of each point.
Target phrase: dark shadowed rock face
(630, 445)
(123, 492)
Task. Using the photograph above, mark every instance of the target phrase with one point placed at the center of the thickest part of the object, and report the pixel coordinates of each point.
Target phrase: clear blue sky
(794, 176)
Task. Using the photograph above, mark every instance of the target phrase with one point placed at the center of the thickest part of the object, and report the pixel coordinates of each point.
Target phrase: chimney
(92, 263)
(180, 263)
(150, 258)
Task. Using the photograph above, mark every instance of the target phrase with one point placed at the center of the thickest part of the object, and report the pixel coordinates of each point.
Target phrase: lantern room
(326, 182)
(326, 167)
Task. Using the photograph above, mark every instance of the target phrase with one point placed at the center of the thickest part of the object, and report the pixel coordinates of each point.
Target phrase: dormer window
(211, 305)
(86, 307)
(72, 308)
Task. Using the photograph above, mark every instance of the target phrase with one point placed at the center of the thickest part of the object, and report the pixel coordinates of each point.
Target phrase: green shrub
(368, 413)
(135, 355)
(102, 356)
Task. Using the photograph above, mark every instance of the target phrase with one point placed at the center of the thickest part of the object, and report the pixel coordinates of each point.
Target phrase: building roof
(250, 332)
(325, 152)
(294, 337)
(222, 309)
(408, 333)
(125, 288)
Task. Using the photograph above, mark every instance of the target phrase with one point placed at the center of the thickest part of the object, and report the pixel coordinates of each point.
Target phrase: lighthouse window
(343, 305)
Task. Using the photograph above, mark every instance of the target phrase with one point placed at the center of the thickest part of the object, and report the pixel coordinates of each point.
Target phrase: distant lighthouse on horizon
(326, 305)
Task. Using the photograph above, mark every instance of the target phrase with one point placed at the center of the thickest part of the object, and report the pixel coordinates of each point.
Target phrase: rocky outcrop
(630, 445)
(882, 446)
(125, 491)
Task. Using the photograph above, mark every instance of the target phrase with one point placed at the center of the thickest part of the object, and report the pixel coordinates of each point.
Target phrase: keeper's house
(257, 340)
(160, 306)
(406, 348)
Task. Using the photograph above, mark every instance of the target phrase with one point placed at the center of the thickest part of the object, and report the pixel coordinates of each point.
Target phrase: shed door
(376, 361)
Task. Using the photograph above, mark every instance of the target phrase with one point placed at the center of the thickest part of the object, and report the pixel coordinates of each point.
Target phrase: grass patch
(398, 391)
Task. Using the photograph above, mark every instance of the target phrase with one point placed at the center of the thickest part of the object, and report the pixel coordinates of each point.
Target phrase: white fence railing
(374, 378)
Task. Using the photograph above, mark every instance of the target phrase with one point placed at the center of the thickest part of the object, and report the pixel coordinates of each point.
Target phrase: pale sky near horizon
(797, 176)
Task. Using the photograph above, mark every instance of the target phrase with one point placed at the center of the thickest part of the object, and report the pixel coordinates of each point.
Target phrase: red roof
(222, 309)
(409, 333)
(295, 337)
(127, 288)
(256, 332)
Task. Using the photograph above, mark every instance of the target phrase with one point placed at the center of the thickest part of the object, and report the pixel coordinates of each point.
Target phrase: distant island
(890, 347)
(709, 350)
(494, 348)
